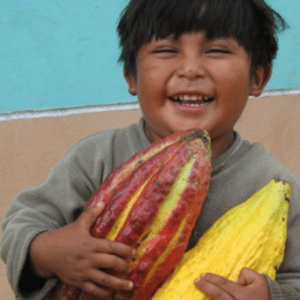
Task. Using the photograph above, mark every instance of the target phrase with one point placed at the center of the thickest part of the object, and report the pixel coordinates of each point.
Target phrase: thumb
(89, 215)
(247, 276)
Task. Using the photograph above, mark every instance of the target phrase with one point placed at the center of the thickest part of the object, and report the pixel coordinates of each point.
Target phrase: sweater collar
(237, 150)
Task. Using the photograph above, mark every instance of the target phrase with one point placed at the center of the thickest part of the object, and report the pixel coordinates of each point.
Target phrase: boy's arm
(79, 259)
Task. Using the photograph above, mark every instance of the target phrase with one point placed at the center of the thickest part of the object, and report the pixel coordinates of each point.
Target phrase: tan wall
(29, 148)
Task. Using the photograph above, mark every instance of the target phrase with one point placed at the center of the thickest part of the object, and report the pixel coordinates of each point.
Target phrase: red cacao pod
(152, 203)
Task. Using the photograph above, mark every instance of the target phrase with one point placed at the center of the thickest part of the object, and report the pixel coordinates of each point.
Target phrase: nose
(191, 67)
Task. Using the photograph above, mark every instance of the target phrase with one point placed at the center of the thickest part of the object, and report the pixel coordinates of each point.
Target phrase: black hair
(251, 22)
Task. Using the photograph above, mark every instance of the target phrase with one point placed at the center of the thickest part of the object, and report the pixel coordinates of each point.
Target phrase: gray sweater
(237, 174)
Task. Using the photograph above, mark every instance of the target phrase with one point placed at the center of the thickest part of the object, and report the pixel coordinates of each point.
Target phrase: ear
(260, 79)
(131, 81)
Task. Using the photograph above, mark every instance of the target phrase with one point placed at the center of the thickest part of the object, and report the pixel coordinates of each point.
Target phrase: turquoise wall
(63, 53)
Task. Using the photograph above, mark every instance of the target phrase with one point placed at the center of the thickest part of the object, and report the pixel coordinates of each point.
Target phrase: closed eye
(165, 50)
(218, 51)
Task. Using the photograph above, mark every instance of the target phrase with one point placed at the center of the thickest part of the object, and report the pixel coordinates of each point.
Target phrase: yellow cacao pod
(252, 234)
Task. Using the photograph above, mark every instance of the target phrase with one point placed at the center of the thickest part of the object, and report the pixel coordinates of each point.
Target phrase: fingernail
(130, 285)
(100, 204)
(198, 280)
(134, 253)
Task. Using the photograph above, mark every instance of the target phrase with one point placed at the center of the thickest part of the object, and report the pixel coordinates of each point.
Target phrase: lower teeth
(193, 104)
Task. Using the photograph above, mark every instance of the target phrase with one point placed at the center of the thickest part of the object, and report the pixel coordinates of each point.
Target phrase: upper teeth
(191, 98)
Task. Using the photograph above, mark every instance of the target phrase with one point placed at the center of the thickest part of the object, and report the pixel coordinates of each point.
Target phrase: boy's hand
(79, 259)
(249, 286)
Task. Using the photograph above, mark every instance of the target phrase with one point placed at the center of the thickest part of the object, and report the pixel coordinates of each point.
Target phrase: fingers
(119, 249)
(218, 287)
(112, 262)
(255, 283)
(86, 220)
(250, 285)
(101, 284)
(89, 216)
(247, 276)
(100, 262)
(109, 281)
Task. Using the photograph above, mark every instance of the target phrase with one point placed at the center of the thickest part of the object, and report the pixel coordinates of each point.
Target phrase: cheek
(145, 81)
(236, 85)
(235, 72)
(151, 90)
(243, 73)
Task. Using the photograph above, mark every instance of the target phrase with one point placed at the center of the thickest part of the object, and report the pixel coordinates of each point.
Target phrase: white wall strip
(280, 92)
(34, 114)
(30, 114)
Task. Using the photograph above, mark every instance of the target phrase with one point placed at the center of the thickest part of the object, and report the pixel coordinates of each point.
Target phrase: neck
(220, 144)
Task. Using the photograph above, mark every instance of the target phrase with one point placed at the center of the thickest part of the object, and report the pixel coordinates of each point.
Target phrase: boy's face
(192, 82)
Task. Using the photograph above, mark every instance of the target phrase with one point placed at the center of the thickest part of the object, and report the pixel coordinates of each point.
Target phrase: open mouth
(191, 100)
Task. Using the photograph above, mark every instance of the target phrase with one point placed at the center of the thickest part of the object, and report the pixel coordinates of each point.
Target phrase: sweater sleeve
(280, 292)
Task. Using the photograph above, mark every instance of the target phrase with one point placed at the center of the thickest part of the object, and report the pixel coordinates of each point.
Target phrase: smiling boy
(194, 82)
(191, 63)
